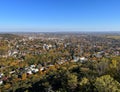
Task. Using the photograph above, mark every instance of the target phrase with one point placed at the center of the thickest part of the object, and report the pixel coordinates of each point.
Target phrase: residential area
(34, 55)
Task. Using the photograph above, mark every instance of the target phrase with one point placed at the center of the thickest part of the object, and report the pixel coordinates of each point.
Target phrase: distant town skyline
(59, 15)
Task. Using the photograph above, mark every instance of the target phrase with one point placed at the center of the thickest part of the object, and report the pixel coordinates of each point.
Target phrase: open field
(113, 36)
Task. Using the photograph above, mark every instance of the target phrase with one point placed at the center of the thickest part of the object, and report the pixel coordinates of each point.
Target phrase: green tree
(72, 81)
(107, 84)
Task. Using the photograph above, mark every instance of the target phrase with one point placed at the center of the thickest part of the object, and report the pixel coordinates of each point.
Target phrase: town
(34, 55)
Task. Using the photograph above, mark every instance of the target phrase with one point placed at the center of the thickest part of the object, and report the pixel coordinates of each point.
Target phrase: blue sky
(59, 15)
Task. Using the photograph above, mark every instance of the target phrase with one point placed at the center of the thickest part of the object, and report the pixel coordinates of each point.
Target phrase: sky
(59, 15)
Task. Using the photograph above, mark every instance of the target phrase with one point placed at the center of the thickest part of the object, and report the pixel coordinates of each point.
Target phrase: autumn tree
(107, 84)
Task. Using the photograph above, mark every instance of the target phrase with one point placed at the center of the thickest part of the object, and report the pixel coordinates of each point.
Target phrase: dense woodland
(59, 63)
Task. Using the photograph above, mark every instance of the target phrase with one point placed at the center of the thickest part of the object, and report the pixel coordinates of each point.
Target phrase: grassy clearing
(113, 37)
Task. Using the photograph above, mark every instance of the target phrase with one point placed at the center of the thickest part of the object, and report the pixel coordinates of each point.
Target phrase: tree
(86, 85)
(102, 67)
(107, 84)
(72, 81)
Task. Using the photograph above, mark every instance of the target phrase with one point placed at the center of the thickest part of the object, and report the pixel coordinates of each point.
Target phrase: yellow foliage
(107, 84)
(41, 72)
(24, 75)
(13, 63)
(84, 81)
(7, 86)
(113, 64)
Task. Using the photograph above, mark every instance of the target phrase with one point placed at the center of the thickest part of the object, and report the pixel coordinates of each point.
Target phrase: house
(1, 82)
(42, 69)
(12, 72)
(50, 65)
(1, 75)
(60, 62)
(32, 66)
(14, 52)
(82, 59)
(35, 70)
(76, 59)
(29, 72)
